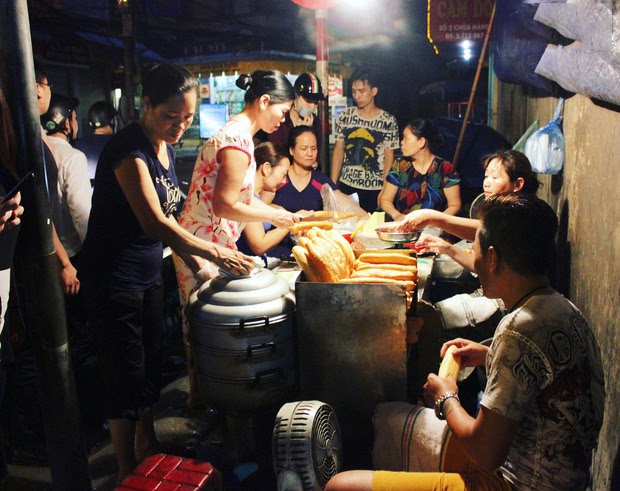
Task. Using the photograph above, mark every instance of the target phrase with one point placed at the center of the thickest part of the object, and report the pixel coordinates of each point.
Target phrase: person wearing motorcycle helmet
(308, 94)
(102, 119)
(60, 122)
(61, 118)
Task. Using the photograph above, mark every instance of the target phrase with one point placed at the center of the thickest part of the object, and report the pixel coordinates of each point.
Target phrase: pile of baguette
(325, 256)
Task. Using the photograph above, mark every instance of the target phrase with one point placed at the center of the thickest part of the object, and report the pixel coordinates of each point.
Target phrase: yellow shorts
(439, 481)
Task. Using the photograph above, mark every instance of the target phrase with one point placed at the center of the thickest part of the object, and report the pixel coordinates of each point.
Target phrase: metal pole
(322, 71)
(60, 411)
(473, 89)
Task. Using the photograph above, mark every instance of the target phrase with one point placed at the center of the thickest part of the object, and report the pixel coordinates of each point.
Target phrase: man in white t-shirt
(542, 408)
(366, 137)
(74, 191)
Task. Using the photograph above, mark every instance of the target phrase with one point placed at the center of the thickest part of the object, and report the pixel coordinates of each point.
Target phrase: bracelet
(440, 401)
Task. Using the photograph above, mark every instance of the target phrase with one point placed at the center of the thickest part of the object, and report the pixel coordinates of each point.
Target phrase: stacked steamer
(325, 256)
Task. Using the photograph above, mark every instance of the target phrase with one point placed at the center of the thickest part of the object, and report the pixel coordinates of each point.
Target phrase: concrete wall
(585, 196)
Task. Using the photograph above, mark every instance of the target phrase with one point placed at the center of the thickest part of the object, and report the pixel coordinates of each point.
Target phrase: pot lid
(225, 300)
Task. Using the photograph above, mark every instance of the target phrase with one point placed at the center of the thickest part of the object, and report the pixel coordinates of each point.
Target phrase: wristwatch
(439, 403)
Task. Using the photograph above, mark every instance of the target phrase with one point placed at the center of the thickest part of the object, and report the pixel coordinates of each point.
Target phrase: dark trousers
(129, 326)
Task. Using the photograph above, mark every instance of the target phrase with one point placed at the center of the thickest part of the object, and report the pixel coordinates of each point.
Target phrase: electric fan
(307, 449)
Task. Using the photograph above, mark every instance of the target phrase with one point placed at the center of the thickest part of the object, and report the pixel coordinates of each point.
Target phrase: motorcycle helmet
(60, 109)
(309, 87)
(100, 114)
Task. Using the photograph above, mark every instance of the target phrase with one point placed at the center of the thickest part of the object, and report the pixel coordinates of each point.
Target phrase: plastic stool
(163, 472)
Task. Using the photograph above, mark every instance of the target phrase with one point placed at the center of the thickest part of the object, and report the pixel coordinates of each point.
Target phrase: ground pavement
(181, 431)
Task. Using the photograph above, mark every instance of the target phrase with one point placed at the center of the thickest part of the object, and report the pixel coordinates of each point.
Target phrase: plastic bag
(545, 148)
(520, 145)
(334, 200)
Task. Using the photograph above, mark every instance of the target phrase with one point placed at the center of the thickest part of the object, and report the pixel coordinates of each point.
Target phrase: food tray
(397, 237)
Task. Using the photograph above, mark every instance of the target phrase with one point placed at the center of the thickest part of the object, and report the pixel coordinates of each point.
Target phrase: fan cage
(306, 439)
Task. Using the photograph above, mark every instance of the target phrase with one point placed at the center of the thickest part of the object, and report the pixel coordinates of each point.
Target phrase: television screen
(212, 118)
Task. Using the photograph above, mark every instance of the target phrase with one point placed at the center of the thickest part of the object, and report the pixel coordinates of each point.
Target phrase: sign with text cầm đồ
(457, 20)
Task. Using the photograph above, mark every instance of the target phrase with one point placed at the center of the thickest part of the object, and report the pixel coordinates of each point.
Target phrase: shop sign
(66, 52)
(457, 20)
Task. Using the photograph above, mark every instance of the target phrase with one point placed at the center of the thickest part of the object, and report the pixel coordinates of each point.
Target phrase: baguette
(384, 273)
(301, 256)
(378, 258)
(409, 285)
(332, 253)
(343, 249)
(450, 365)
(347, 250)
(322, 214)
(303, 226)
(321, 261)
(359, 266)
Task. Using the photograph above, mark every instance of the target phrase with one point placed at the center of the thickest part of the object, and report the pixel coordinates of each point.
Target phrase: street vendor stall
(353, 333)
(346, 339)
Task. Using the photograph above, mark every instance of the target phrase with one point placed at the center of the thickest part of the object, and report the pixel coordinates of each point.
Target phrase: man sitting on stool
(542, 408)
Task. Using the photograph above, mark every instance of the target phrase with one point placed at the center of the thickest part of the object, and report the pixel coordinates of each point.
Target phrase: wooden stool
(163, 472)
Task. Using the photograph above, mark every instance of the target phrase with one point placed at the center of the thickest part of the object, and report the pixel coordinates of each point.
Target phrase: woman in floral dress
(221, 194)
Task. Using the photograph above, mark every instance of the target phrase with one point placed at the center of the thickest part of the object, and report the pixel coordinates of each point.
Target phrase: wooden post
(473, 89)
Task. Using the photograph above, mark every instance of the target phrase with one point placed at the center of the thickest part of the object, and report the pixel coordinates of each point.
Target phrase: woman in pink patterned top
(220, 198)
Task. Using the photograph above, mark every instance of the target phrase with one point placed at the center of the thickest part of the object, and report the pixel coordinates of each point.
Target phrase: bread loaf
(322, 214)
(359, 266)
(322, 261)
(304, 226)
(409, 285)
(383, 273)
(387, 258)
(301, 256)
(347, 250)
(326, 240)
(450, 365)
(342, 250)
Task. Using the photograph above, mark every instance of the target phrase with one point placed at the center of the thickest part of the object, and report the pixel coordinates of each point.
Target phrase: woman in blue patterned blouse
(420, 179)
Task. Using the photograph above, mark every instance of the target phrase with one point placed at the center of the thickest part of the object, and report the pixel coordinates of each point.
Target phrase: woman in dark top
(135, 198)
(302, 190)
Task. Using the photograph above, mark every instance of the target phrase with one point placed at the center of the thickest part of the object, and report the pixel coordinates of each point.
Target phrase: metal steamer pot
(241, 332)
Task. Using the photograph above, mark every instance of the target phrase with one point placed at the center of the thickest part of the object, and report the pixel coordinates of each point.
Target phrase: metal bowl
(398, 237)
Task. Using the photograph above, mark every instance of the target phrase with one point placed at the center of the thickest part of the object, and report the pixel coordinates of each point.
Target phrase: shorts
(439, 481)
